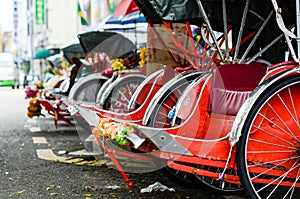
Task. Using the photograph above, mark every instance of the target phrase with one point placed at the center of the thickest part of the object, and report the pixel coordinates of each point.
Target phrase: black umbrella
(111, 43)
(73, 50)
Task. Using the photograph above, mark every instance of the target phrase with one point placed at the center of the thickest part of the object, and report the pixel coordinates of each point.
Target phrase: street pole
(31, 35)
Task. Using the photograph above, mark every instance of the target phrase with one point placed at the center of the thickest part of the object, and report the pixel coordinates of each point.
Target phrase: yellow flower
(117, 65)
(143, 56)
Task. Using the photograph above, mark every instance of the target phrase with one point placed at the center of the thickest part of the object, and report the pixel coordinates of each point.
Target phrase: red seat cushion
(232, 85)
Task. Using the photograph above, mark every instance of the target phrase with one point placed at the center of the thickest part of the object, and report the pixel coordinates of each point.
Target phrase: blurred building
(53, 23)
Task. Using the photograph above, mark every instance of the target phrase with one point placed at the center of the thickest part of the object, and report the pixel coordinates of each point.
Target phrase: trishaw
(101, 84)
(236, 126)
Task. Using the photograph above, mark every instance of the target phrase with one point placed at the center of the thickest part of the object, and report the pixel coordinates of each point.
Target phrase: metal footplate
(89, 115)
(164, 141)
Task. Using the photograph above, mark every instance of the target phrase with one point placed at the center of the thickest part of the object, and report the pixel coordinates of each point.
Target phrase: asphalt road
(35, 162)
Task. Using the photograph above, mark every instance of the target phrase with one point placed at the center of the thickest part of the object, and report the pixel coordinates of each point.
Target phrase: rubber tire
(241, 145)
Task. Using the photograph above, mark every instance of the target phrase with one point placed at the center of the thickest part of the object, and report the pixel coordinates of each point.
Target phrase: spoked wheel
(117, 96)
(179, 177)
(268, 153)
(162, 113)
(161, 116)
(85, 91)
(217, 186)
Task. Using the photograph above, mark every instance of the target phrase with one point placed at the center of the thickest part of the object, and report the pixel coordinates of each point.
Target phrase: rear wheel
(161, 116)
(117, 96)
(268, 153)
(161, 111)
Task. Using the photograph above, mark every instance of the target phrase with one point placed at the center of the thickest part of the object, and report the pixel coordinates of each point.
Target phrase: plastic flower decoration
(31, 92)
(143, 56)
(39, 84)
(117, 65)
(113, 130)
(196, 35)
(34, 108)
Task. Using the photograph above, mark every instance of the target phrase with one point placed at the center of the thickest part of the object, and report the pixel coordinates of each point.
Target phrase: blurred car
(9, 74)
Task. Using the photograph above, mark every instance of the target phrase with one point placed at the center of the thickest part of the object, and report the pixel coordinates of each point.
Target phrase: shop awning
(43, 53)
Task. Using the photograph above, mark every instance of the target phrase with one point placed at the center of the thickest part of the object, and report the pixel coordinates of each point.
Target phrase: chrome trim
(256, 36)
(156, 74)
(88, 115)
(83, 80)
(102, 89)
(112, 86)
(162, 91)
(186, 92)
(164, 141)
(206, 20)
(246, 8)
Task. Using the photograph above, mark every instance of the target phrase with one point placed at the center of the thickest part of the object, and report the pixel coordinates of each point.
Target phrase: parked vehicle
(9, 75)
(237, 126)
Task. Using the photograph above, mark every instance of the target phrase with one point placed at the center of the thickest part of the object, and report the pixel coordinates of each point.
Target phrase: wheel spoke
(290, 133)
(129, 90)
(281, 178)
(270, 169)
(273, 161)
(273, 144)
(118, 101)
(284, 104)
(273, 151)
(294, 108)
(270, 164)
(292, 188)
(273, 135)
(122, 94)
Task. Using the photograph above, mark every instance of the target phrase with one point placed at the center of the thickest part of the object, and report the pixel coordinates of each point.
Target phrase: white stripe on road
(47, 154)
(34, 129)
(39, 140)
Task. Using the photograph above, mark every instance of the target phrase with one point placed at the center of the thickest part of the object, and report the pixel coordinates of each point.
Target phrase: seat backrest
(232, 85)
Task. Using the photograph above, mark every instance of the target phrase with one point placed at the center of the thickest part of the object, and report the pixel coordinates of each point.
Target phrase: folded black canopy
(111, 43)
(188, 10)
(73, 50)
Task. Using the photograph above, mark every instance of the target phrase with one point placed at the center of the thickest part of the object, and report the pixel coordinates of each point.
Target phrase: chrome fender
(84, 80)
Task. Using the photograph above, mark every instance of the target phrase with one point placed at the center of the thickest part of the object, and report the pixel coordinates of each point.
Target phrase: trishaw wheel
(118, 98)
(161, 115)
(160, 118)
(86, 93)
(218, 186)
(268, 152)
(179, 177)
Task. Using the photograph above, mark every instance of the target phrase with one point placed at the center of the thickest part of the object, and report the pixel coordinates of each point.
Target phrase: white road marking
(34, 129)
(39, 140)
(47, 154)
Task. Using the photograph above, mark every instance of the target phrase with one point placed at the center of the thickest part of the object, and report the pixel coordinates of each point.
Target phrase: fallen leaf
(54, 194)
(50, 187)
(92, 188)
(88, 194)
(20, 192)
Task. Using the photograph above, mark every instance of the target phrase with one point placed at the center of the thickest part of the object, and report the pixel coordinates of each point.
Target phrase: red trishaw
(236, 126)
